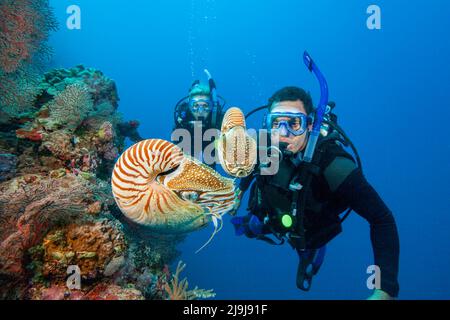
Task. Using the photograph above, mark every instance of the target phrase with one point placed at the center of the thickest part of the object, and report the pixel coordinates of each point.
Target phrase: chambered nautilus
(155, 184)
(236, 148)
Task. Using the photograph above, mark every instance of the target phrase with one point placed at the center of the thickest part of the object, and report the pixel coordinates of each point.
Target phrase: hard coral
(56, 207)
(113, 292)
(91, 246)
(101, 88)
(59, 144)
(77, 126)
(33, 134)
(8, 164)
(100, 291)
(31, 205)
(106, 133)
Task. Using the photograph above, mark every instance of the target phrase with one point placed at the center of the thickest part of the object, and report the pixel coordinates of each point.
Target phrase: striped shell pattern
(236, 148)
(155, 184)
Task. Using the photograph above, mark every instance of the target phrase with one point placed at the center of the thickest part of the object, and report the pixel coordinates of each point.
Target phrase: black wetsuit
(338, 185)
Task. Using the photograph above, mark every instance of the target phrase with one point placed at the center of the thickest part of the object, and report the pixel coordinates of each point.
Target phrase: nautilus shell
(155, 184)
(236, 148)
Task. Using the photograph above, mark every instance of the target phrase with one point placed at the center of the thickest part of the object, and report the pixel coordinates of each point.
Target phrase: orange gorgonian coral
(24, 27)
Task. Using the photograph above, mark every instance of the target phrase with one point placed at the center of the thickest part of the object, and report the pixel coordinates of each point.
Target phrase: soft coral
(33, 134)
(24, 27)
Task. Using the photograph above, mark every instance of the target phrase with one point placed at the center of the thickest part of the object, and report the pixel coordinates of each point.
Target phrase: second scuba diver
(202, 109)
(303, 201)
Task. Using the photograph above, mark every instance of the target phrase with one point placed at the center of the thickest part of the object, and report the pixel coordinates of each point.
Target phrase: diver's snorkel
(213, 93)
(320, 110)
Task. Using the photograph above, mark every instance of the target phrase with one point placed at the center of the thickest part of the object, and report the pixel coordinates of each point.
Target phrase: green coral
(87, 176)
(58, 237)
(86, 255)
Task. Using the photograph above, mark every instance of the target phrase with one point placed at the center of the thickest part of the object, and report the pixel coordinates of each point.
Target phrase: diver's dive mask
(200, 107)
(288, 122)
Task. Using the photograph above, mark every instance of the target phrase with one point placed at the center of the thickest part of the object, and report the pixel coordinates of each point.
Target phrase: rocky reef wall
(56, 206)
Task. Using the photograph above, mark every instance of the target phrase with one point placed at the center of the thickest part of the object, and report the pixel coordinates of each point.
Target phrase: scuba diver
(317, 181)
(201, 110)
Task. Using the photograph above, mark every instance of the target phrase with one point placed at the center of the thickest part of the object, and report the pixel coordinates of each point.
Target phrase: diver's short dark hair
(292, 94)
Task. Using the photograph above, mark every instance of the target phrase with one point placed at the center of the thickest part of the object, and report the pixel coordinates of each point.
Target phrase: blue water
(392, 92)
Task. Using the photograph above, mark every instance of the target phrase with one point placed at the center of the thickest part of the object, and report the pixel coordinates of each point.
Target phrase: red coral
(33, 135)
(23, 27)
(101, 291)
(133, 123)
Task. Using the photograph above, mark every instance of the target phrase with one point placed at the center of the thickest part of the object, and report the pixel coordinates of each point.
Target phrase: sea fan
(24, 27)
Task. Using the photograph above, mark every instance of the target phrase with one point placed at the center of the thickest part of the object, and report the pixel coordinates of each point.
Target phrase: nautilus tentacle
(156, 185)
(215, 219)
(236, 148)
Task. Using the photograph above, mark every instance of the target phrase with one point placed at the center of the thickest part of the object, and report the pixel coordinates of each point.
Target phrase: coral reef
(93, 247)
(102, 291)
(100, 87)
(75, 125)
(129, 129)
(68, 108)
(56, 205)
(8, 164)
(30, 206)
(24, 28)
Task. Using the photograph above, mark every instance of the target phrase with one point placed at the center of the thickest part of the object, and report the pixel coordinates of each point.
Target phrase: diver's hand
(380, 295)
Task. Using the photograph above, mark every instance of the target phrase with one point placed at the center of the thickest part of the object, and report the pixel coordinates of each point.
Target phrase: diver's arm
(364, 200)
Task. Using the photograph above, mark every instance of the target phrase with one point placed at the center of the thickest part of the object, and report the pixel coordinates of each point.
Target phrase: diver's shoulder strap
(326, 151)
(304, 177)
(306, 172)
